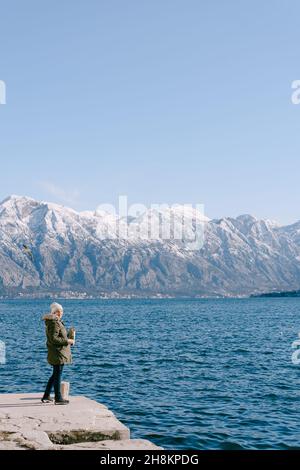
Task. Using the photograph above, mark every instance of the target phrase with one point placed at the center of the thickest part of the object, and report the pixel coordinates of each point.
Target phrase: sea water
(186, 374)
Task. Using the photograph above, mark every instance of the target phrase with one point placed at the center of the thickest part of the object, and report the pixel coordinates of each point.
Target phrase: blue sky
(165, 101)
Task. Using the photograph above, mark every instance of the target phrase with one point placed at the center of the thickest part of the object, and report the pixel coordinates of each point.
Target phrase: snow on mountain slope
(81, 250)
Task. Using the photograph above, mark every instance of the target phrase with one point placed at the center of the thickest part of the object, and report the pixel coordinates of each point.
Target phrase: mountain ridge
(71, 251)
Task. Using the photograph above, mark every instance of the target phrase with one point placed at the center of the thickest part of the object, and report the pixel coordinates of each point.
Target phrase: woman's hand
(71, 342)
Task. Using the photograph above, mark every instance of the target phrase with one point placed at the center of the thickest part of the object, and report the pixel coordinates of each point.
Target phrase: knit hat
(55, 307)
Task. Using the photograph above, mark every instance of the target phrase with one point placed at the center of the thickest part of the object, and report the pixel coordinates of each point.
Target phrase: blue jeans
(55, 380)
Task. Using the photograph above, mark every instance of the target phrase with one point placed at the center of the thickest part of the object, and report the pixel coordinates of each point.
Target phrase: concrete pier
(27, 423)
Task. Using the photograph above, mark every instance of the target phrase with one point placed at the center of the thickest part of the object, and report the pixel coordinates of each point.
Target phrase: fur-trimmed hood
(50, 317)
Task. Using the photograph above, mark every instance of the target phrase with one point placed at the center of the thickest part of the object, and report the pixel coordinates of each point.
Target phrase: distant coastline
(117, 295)
(292, 293)
(66, 294)
(78, 294)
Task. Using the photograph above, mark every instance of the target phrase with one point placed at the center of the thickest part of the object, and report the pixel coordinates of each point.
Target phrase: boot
(60, 401)
(46, 399)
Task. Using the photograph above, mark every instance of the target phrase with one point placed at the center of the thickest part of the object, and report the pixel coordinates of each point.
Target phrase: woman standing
(59, 352)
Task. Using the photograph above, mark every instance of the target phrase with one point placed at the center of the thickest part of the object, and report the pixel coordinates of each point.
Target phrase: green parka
(59, 350)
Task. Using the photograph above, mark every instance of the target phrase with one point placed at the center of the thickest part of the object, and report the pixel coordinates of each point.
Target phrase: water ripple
(205, 374)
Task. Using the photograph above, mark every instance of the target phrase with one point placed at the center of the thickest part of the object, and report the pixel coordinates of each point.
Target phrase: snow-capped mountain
(47, 246)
